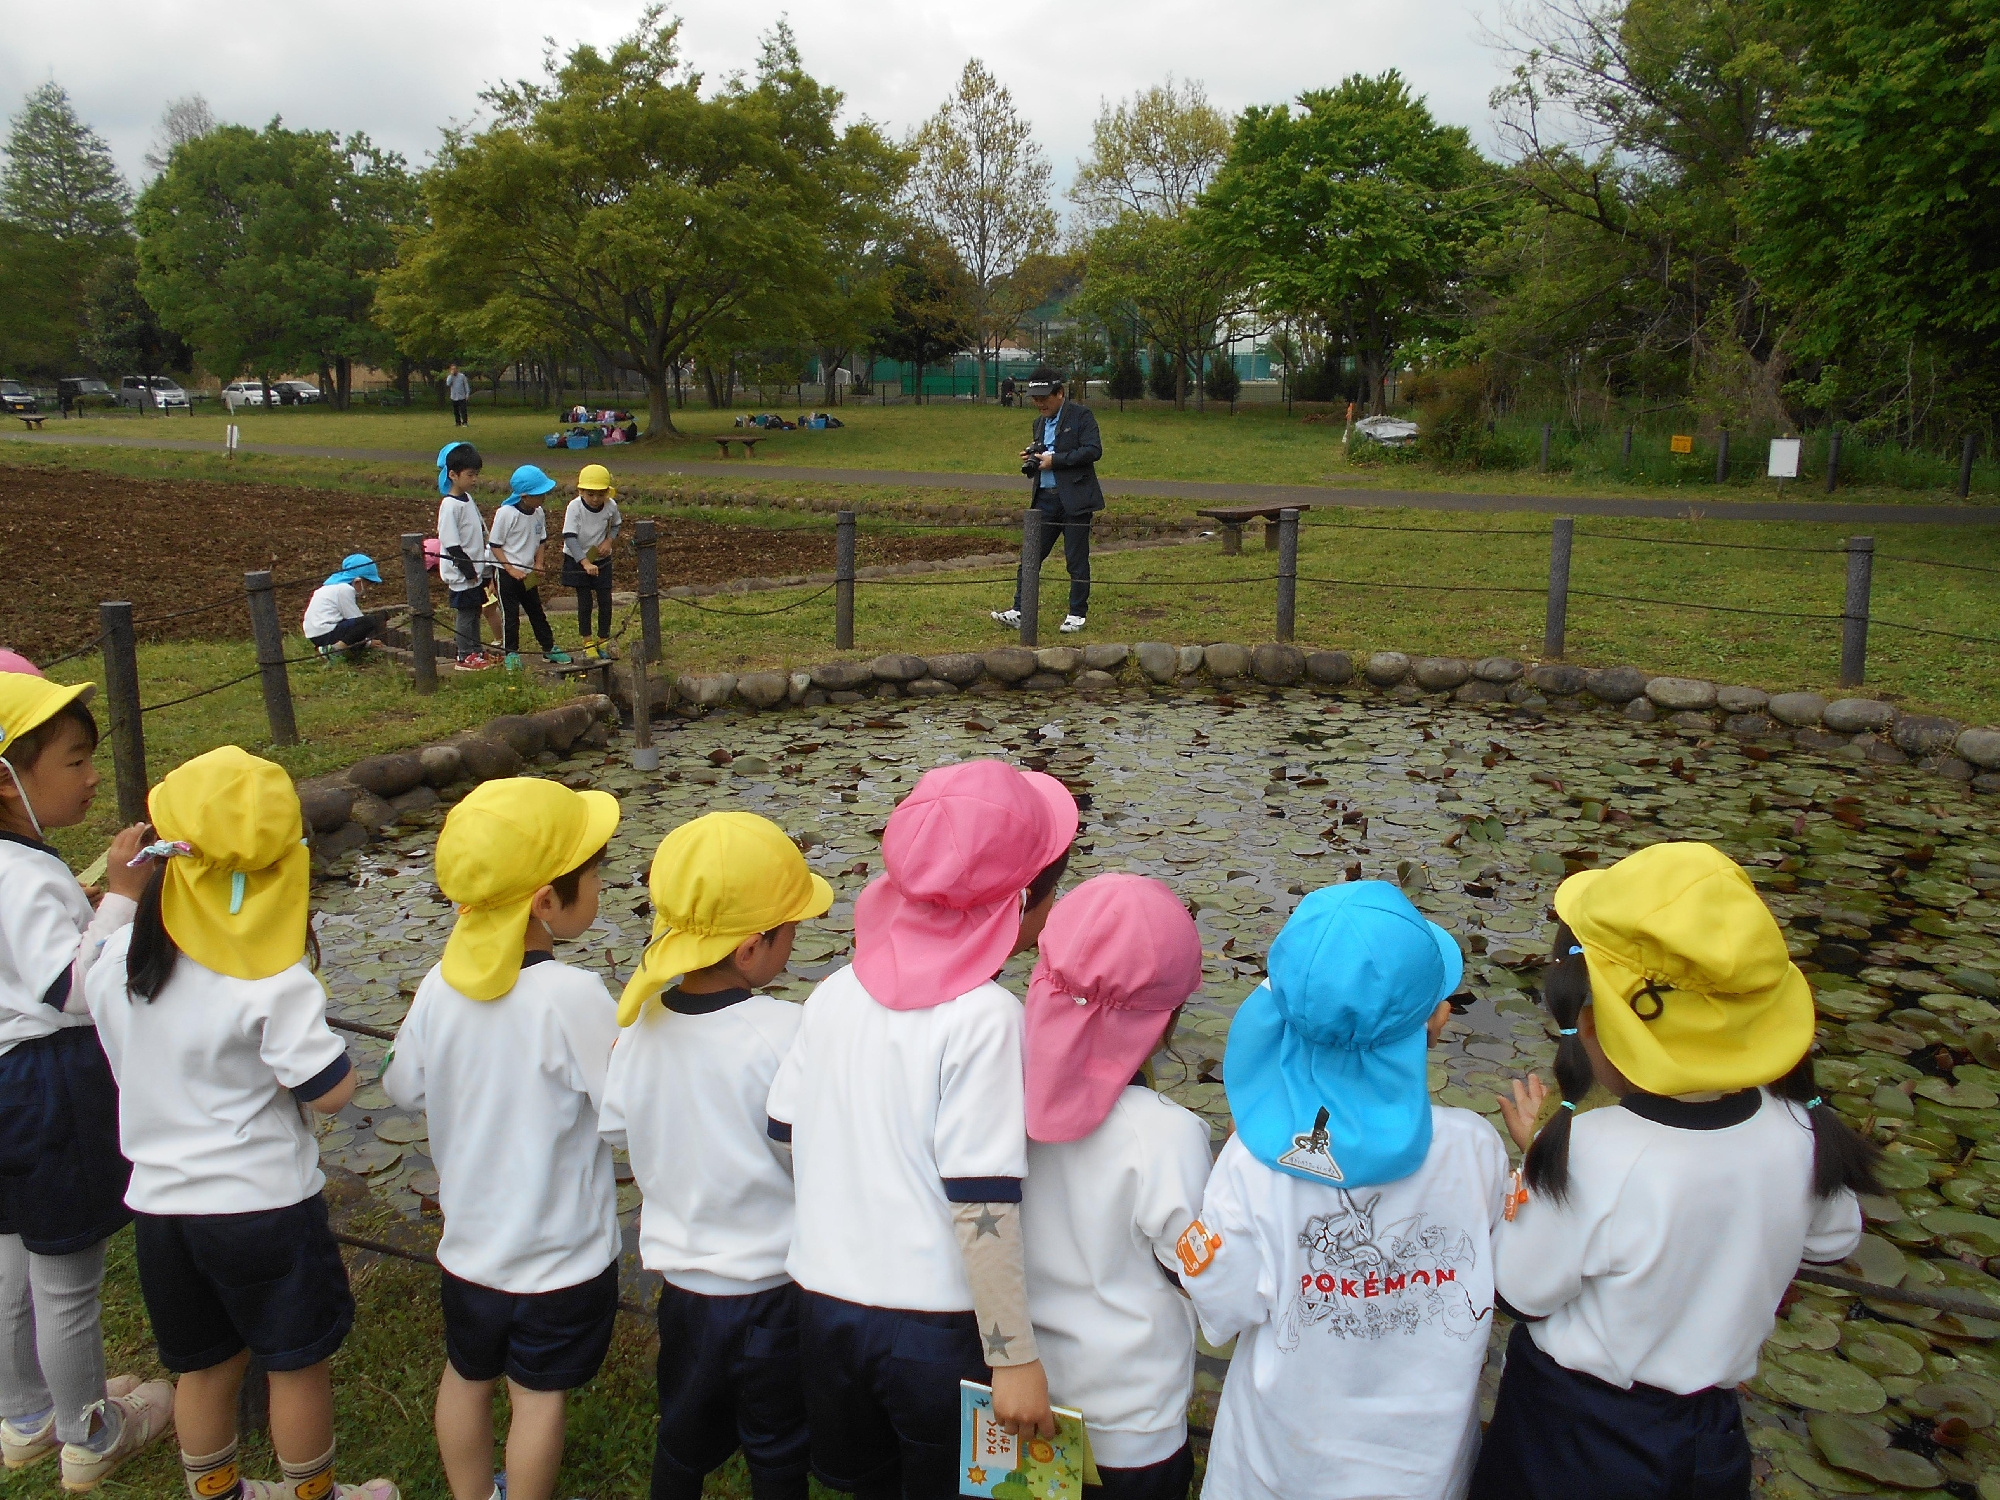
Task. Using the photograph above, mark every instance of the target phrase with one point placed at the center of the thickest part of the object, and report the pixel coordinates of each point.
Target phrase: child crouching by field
(334, 618)
(505, 1049)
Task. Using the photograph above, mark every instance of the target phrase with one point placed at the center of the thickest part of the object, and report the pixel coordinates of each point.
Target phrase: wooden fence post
(1628, 445)
(645, 536)
(1288, 572)
(1833, 461)
(843, 581)
(645, 757)
(270, 639)
(1561, 534)
(417, 588)
(121, 695)
(1031, 577)
(1965, 455)
(1722, 457)
(1547, 433)
(1854, 613)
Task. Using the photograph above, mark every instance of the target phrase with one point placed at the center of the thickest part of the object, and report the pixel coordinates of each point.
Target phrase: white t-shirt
(47, 929)
(1100, 1217)
(1665, 1265)
(516, 534)
(884, 1107)
(1363, 1317)
(330, 604)
(584, 528)
(685, 1097)
(459, 526)
(206, 1070)
(512, 1088)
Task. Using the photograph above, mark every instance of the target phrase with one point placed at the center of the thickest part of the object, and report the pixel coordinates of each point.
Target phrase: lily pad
(1876, 1260)
(1899, 1173)
(1879, 1353)
(1824, 1382)
(1974, 1230)
(1862, 1449)
(401, 1129)
(1951, 1400)
(371, 1157)
(1962, 1095)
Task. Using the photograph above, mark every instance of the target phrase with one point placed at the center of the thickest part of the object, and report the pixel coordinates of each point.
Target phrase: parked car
(243, 393)
(163, 391)
(83, 388)
(295, 392)
(17, 399)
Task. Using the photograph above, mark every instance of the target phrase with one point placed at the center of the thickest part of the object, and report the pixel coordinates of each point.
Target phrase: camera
(1032, 464)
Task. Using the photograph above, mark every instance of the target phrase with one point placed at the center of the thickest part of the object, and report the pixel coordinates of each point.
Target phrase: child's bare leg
(534, 1442)
(465, 1435)
(302, 1412)
(205, 1405)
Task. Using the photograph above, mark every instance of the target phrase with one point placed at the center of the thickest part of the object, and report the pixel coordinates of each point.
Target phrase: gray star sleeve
(989, 1238)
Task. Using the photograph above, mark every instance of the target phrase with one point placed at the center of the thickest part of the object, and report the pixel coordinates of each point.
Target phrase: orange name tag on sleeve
(1517, 1195)
(1196, 1248)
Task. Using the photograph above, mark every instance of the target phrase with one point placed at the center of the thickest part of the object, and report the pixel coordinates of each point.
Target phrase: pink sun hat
(1119, 954)
(14, 661)
(957, 854)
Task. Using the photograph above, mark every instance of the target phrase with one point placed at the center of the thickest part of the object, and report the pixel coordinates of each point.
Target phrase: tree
(1155, 154)
(122, 334)
(263, 248)
(1128, 381)
(638, 215)
(1359, 210)
(982, 184)
(1173, 279)
(60, 178)
(40, 311)
(186, 119)
(931, 305)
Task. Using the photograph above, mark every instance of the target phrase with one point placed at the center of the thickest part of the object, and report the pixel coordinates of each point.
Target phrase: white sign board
(1784, 459)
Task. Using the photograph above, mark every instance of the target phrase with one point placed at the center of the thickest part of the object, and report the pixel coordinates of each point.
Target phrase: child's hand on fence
(1522, 1107)
(589, 567)
(120, 879)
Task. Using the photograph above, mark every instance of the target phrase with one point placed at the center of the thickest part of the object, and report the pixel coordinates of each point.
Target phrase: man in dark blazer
(1067, 447)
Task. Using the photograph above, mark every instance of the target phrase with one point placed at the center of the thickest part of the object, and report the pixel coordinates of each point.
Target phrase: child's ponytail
(1842, 1157)
(149, 962)
(1565, 990)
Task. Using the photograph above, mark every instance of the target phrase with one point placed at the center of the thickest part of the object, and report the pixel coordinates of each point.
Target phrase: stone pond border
(346, 810)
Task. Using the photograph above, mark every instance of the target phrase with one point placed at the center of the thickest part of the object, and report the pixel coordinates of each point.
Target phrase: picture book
(994, 1462)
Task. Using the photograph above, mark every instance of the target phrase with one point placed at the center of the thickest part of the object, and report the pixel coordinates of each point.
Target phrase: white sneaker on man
(1072, 624)
(142, 1414)
(1011, 618)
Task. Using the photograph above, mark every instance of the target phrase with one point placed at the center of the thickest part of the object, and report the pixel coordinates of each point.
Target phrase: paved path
(1199, 493)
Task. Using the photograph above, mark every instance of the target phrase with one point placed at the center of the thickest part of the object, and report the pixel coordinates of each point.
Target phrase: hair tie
(238, 883)
(1651, 990)
(1814, 1102)
(163, 849)
(1565, 1031)
(1569, 1106)
(1575, 952)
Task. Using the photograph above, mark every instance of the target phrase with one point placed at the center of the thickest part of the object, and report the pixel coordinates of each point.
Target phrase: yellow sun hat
(504, 842)
(716, 881)
(596, 477)
(28, 702)
(1690, 980)
(236, 903)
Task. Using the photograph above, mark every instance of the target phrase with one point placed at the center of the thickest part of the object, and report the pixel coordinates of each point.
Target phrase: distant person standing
(459, 389)
(1062, 459)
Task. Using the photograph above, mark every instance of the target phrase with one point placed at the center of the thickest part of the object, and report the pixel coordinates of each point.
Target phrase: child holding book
(520, 531)
(1115, 1177)
(686, 1098)
(216, 1029)
(1344, 1239)
(902, 1099)
(1658, 1236)
(505, 1049)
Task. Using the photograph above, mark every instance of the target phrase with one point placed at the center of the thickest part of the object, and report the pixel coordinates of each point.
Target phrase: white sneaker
(277, 1489)
(144, 1414)
(1011, 618)
(20, 1447)
(1072, 624)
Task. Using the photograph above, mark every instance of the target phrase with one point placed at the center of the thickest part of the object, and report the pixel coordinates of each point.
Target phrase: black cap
(1045, 381)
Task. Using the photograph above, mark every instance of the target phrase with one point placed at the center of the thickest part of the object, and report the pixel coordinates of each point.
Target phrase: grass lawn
(1257, 444)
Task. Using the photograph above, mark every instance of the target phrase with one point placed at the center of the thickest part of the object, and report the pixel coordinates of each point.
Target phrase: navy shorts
(883, 1397)
(472, 598)
(542, 1341)
(271, 1282)
(62, 1176)
(729, 1378)
(1559, 1434)
(1166, 1480)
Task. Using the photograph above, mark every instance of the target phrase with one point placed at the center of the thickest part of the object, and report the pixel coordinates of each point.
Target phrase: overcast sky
(401, 71)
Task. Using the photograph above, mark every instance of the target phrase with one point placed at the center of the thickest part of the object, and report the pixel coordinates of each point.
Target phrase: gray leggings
(51, 1335)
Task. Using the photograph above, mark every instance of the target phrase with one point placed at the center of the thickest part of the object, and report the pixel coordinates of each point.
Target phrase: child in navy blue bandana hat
(1344, 1234)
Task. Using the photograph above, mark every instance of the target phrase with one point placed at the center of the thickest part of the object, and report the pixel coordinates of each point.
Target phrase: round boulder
(1981, 747)
(1615, 684)
(1924, 734)
(1225, 660)
(1497, 669)
(518, 731)
(487, 760)
(959, 668)
(1045, 682)
(1090, 680)
(841, 676)
(386, 775)
(1857, 715)
(1440, 674)
(372, 812)
(1277, 664)
(1064, 659)
(1479, 691)
(324, 807)
(1104, 656)
(763, 689)
(930, 687)
(1641, 711)
(897, 667)
(1681, 694)
(1330, 668)
(1011, 664)
(442, 764)
(1555, 680)
(1190, 659)
(1796, 709)
(708, 691)
(1742, 700)
(1386, 668)
(1159, 661)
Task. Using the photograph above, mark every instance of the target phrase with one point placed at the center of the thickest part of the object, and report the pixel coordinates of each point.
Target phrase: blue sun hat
(444, 453)
(1325, 1067)
(527, 480)
(355, 565)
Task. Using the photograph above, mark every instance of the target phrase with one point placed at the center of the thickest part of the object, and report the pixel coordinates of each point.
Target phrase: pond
(1885, 880)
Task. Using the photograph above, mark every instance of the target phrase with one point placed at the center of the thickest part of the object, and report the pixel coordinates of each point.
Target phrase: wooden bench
(1232, 518)
(585, 666)
(30, 421)
(749, 445)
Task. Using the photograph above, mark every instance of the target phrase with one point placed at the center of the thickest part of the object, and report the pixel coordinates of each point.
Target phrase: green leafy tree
(1172, 278)
(1128, 381)
(932, 305)
(60, 178)
(1153, 154)
(263, 248)
(638, 215)
(41, 315)
(122, 334)
(1358, 210)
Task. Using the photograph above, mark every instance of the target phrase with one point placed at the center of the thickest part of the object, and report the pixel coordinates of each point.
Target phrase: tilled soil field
(69, 539)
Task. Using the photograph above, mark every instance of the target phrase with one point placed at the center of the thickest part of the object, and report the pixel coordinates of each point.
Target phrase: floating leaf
(1879, 1353)
(401, 1129)
(1862, 1449)
(1964, 1095)
(1824, 1382)
(1975, 1230)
